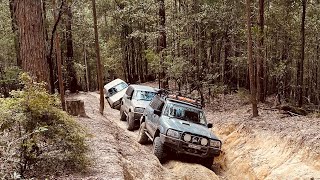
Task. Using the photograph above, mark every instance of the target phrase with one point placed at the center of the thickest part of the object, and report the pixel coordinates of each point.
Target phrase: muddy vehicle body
(178, 124)
(133, 104)
(114, 92)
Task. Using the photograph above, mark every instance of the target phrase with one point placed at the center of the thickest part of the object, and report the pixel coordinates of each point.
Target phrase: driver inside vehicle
(185, 113)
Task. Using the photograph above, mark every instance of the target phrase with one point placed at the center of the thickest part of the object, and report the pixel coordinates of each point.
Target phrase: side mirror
(157, 112)
(210, 125)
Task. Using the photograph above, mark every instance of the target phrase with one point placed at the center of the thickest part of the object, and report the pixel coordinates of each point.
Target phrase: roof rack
(178, 96)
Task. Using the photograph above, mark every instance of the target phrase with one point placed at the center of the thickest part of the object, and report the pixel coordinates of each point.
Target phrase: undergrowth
(38, 139)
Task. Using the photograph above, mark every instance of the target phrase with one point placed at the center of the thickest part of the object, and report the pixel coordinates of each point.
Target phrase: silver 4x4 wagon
(134, 101)
(178, 124)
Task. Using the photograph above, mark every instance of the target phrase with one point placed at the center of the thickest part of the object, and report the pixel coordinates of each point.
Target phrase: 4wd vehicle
(114, 92)
(133, 103)
(178, 124)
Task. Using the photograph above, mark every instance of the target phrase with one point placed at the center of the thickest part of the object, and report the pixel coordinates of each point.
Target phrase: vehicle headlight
(214, 143)
(187, 138)
(204, 141)
(139, 109)
(173, 133)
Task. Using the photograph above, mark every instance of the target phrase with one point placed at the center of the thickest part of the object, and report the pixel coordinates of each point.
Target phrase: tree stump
(76, 107)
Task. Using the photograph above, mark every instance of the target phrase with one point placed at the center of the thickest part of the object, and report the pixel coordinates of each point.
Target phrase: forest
(51, 49)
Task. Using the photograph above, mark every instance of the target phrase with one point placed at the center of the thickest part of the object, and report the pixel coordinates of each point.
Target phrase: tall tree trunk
(58, 57)
(227, 63)
(250, 62)
(99, 66)
(49, 50)
(15, 31)
(301, 61)
(162, 42)
(29, 14)
(72, 81)
(87, 68)
(260, 59)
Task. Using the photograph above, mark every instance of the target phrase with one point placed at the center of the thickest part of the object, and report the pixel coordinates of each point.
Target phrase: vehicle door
(126, 99)
(149, 114)
(155, 121)
(152, 122)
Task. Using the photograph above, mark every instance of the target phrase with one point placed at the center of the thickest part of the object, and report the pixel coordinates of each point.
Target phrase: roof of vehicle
(113, 83)
(178, 97)
(144, 88)
(184, 103)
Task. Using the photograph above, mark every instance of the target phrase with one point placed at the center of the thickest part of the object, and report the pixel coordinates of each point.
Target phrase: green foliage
(10, 74)
(279, 70)
(153, 60)
(37, 136)
(9, 79)
(7, 52)
(176, 67)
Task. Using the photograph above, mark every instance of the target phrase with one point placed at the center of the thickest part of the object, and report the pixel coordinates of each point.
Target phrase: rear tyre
(159, 149)
(122, 115)
(142, 137)
(130, 121)
(207, 162)
(109, 103)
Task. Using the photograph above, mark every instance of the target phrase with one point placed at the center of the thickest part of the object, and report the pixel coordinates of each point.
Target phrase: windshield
(117, 88)
(144, 95)
(186, 113)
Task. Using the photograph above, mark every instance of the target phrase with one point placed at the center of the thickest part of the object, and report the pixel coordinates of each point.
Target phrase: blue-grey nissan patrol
(177, 123)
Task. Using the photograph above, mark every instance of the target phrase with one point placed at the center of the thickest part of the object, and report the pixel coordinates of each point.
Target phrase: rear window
(144, 95)
(117, 88)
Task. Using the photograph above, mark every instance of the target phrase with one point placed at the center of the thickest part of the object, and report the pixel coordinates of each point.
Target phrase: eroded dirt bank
(272, 146)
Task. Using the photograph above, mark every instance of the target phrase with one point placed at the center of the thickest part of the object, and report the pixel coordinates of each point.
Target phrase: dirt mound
(261, 155)
(188, 171)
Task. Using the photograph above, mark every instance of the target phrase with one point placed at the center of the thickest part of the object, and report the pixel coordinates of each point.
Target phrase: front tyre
(159, 149)
(109, 103)
(207, 162)
(142, 137)
(130, 121)
(122, 115)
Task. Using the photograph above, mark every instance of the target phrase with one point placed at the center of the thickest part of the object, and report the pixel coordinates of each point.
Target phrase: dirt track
(252, 148)
(117, 155)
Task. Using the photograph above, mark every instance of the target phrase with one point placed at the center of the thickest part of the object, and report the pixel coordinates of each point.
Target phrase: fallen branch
(291, 110)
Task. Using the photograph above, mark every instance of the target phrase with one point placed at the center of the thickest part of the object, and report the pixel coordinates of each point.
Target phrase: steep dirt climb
(117, 155)
(268, 147)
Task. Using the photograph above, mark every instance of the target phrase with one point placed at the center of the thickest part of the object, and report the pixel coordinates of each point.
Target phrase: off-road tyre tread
(142, 137)
(159, 149)
(207, 162)
(122, 115)
(130, 122)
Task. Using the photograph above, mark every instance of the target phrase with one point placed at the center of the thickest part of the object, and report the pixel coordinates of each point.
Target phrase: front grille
(195, 140)
(186, 148)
